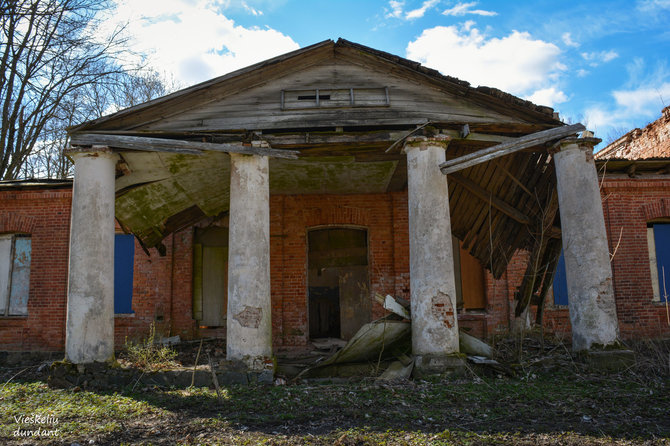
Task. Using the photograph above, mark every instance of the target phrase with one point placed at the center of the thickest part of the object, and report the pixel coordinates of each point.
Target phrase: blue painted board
(560, 283)
(124, 258)
(662, 243)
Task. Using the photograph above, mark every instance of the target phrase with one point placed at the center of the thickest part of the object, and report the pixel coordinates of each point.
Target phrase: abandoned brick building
(272, 204)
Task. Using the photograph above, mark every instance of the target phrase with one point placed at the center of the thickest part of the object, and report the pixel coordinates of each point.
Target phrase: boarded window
(560, 284)
(469, 277)
(338, 282)
(334, 98)
(124, 259)
(658, 238)
(15, 254)
(210, 276)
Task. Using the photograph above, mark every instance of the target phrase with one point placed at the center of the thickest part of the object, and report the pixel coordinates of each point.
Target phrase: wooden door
(210, 276)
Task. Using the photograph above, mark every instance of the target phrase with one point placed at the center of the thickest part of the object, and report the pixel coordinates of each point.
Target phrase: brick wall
(291, 216)
(629, 204)
(45, 215)
(162, 288)
(651, 142)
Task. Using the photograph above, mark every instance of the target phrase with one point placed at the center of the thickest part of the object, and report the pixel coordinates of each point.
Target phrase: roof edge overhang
(482, 95)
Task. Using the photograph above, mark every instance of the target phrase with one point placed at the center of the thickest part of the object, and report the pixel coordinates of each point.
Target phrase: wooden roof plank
(524, 142)
(175, 145)
(486, 195)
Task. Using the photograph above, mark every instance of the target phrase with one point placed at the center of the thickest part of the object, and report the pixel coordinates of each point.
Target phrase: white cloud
(195, 41)
(596, 58)
(638, 101)
(419, 12)
(461, 9)
(653, 5)
(632, 106)
(516, 63)
(548, 96)
(395, 10)
(646, 100)
(567, 39)
(251, 10)
(582, 72)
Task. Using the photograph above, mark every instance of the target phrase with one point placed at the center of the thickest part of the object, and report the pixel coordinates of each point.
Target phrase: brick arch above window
(336, 215)
(657, 209)
(17, 223)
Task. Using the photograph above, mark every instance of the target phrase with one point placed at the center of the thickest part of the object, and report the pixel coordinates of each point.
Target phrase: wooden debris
(524, 142)
(215, 380)
(144, 143)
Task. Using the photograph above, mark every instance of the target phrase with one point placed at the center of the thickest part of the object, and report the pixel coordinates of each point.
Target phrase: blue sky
(603, 63)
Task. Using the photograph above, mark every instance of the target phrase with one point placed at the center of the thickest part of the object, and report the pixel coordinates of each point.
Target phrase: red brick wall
(291, 216)
(45, 215)
(629, 204)
(162, 288)
(651, 142)
(161, 292)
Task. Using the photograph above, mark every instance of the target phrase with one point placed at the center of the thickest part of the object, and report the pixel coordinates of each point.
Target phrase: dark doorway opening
(338, 282)
(210, 276)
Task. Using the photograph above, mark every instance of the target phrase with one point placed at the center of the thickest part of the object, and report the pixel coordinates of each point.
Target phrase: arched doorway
(338, 281)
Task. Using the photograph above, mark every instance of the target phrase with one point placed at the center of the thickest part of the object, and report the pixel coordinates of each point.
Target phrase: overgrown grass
(549, 409)
(550, 400)
(149, 355)
(77, 412)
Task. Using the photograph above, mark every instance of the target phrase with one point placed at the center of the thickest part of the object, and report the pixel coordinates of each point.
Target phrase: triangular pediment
(344, 110)
(355, 88)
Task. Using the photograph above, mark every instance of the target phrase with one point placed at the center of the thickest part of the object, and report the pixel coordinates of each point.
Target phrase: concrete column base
(438, 365)
(239, 372)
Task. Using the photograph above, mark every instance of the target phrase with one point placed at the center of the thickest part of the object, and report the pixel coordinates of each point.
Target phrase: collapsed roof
(332, 116)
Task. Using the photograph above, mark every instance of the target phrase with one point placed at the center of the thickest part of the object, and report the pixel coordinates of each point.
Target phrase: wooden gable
(357, 87)
(346, 109)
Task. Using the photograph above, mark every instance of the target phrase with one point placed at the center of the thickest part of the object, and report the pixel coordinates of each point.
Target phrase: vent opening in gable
(335, 98)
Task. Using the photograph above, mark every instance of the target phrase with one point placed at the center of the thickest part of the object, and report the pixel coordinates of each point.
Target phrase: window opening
(124, 265)
(658, 239)
(15, 258)
(338, 282)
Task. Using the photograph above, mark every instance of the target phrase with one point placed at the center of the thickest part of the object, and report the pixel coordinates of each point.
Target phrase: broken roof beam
(524, 142)
(174, 145)
(486, 196)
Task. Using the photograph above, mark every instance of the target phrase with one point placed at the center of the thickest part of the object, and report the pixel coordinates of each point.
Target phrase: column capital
(423, 142)
(78, 152)
(585, 144)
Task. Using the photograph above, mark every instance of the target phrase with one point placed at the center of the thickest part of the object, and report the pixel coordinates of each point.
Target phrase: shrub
(149, 355)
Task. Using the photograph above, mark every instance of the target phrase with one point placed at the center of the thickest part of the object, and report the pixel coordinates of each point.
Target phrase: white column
(89, 335)
(587, 262)
(249, 327)
(432, 284)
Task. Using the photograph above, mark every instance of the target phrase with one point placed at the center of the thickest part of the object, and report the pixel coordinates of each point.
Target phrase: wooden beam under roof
(486, 195)
(524, 142)
(174, 145)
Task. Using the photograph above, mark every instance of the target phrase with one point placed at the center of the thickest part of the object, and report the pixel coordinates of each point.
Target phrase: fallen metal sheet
(397, 371)
(392, 305)
(482, 360)
(328, 343)
(470, 345)
(369, 341)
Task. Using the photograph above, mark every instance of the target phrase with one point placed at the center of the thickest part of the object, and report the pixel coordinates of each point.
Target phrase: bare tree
(106, 95)
(49, 51)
